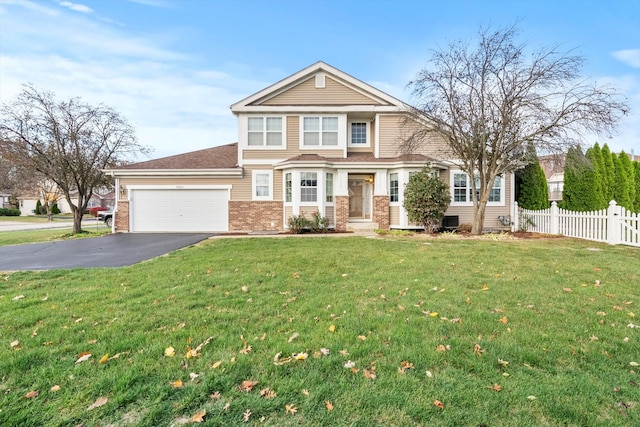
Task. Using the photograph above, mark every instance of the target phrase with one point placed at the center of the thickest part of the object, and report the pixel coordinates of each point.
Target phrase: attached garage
(179, 209)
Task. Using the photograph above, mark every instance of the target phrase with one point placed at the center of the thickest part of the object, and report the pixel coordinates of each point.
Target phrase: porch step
(362, 227)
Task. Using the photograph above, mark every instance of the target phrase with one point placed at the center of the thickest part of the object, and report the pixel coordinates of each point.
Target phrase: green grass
(557, 310)
(47, 235)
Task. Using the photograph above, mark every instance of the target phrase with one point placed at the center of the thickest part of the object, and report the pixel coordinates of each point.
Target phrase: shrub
(297, 223)
(426, 199)
(9, 212)
(38, 208)
(319, 224)
(465, 228)
(55, 209)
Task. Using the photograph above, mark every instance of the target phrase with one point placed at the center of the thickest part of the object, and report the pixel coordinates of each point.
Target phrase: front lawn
(47, 235)
(391, 331)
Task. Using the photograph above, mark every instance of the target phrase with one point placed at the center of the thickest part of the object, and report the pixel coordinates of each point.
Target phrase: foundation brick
(255, 216)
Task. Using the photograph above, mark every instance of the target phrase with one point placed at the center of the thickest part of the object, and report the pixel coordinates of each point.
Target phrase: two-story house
(320, 141)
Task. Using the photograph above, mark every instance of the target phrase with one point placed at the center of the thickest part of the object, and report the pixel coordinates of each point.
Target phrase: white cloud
(630, 57)
(76, 7)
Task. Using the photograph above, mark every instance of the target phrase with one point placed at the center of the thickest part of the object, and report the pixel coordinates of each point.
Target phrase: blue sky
(173, 67)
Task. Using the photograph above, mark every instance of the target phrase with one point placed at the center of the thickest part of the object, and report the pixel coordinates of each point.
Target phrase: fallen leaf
(496, 387)
(267, 393)
(504, 363)
(104, 358)
(226, 406)
(567, 289)
(83, 357)
(32, 394)
(176, 384)
(290, 409)
(325, 351)
(246, 415)
(16, 298)
(438, 404)
(193, 376)
(217, 364)
(245, 289)
(362, 337)
(504, 320)
(478, 350)
(634, 364)
(332, 328)
(531, 397)
(344, 352)
(329, 405)
(14, 343)
(300, 356)
(485, 287)
(293, 337)
(440, 348)
(215, 396)
(601, 313)
(429, 374)
(98, 403)
(305, 392)
(349, 364)
(199, 417)
(247, 385)
(169, 352)
(55, 388)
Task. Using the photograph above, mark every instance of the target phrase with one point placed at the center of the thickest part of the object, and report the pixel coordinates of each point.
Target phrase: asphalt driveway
(113, 250)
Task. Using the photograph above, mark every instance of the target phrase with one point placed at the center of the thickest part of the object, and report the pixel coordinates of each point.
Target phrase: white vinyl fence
(614, 225)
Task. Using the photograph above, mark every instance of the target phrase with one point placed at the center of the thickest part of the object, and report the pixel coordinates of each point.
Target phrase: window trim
(328, 188)
(288, 187)
(367, 124)
(301, 187)
(397, 180)
(254, 184)
(469, 201)
(244, 132)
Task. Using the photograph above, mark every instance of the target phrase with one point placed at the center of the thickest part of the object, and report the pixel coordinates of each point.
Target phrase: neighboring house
(5, 200)
(553, 167)
(320, 141)
(28, 203)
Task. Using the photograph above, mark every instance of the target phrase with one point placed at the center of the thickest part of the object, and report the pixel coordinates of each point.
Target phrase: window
(288, 185)
(462, 188)
(358, 134)
(320, 131)
(262, 185)
(329, 187)
(308, 186)
(264, 131)
(394, 188)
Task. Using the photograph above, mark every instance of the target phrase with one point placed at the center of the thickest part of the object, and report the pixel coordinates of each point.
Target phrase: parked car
(94, 210)
(106, 216)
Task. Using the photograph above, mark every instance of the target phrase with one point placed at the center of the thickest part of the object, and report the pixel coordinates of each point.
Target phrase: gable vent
(320, 78)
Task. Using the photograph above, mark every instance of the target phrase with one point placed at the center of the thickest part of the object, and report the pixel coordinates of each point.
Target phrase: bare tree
(491, 100)
(68, 142)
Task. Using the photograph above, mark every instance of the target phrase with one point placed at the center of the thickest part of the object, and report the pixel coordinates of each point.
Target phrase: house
(553, 167)
(319, 141)
(28, 203)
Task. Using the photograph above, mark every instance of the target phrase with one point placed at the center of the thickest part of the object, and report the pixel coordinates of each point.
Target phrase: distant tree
(533, 191)
(68, 142)
(636, 202)
(426, 199)
(609, 175)
(594, 154)
(38, 208)
(579, 177)
(491, 99)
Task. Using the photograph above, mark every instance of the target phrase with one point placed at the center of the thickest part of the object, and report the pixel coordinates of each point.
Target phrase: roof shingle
(221, 157)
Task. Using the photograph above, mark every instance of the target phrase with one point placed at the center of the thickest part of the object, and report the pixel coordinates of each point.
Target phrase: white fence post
(554, 218)
(613, 223)
(516, 217)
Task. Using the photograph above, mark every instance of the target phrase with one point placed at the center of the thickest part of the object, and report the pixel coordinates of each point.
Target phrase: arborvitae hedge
(533, 192)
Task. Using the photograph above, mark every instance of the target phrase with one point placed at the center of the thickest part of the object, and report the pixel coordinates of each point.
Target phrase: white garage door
(179, 210)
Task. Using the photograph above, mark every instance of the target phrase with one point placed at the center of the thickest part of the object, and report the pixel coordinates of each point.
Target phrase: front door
(360, 190)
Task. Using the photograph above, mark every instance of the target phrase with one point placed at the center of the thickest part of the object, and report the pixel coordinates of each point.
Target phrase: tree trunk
(478, 217)
(77, 220)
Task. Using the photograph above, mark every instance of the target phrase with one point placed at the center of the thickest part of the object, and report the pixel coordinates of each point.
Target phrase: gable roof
(224, 159)
(282, 95)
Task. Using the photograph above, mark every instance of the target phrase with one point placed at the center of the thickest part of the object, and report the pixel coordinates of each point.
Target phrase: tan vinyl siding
(394, 130)
(334, 93)
(394, 215)
(308, 211)
(329, 213)
(288, 213)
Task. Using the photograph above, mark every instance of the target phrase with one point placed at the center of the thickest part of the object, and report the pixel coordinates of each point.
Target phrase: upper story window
(265, 131)
(462, 190)
(358, 134)
(320, 131)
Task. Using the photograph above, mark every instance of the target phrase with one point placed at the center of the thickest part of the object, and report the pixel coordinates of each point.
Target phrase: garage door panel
(179, 210)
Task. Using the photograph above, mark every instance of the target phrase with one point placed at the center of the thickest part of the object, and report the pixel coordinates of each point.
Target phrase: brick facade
(381, 211)
(342, 212)
(122, 217)
(254, 216)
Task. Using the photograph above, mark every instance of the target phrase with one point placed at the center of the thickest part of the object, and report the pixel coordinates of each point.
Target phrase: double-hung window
(262, 188)
(394, 188)
(328, 187)
(288, 188)
(308, 186)
(463, 192)
(320, 131)
(264, 131)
